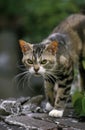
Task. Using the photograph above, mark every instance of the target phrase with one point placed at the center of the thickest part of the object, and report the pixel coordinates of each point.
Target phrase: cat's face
(39, 58)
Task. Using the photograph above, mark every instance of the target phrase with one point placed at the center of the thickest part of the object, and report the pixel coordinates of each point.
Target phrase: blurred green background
(31, 20)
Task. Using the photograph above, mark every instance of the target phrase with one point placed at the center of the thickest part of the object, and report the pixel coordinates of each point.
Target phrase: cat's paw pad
(56, 113)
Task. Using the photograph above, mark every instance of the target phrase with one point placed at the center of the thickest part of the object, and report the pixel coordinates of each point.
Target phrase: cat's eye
(43, 61)
(30, 61)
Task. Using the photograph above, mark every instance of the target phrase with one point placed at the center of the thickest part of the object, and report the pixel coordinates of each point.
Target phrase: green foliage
(83, 62)
(78, 100)
(38, 18)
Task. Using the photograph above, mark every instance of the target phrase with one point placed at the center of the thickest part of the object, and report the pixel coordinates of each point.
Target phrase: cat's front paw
(56, 113)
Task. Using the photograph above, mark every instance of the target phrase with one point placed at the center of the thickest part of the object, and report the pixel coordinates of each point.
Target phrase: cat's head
(39, 58)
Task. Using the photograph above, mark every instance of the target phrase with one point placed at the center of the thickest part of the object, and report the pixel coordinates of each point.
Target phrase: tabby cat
(55, 57)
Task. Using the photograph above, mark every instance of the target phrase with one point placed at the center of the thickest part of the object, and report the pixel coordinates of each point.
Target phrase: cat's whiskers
(19, 82)
(58, 71)
(30, 83)
(51, 76)
(27, 77)
(19, 77)
(20, 74)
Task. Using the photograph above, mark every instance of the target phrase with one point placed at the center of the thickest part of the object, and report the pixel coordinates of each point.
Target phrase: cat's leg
(62, 92)
(82, 76)
(61, 97)
(49, 92)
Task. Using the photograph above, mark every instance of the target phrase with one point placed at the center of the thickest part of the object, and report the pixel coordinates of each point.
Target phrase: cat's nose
(36, 68)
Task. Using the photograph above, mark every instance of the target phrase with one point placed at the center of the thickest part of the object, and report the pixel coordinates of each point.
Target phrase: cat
(55, 58)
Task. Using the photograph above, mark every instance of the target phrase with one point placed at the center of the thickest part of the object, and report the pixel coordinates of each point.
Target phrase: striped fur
(55, 57)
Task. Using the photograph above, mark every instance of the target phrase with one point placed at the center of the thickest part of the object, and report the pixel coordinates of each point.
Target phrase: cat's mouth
(37, 74)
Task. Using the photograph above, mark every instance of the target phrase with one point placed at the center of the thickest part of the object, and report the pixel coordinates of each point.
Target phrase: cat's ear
(25, 46)
(52, 47)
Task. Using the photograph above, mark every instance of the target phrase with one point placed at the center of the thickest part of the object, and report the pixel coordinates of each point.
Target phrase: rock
(30, 123)
(28, 113)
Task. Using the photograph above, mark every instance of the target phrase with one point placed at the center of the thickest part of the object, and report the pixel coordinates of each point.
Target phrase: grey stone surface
(27, 113)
